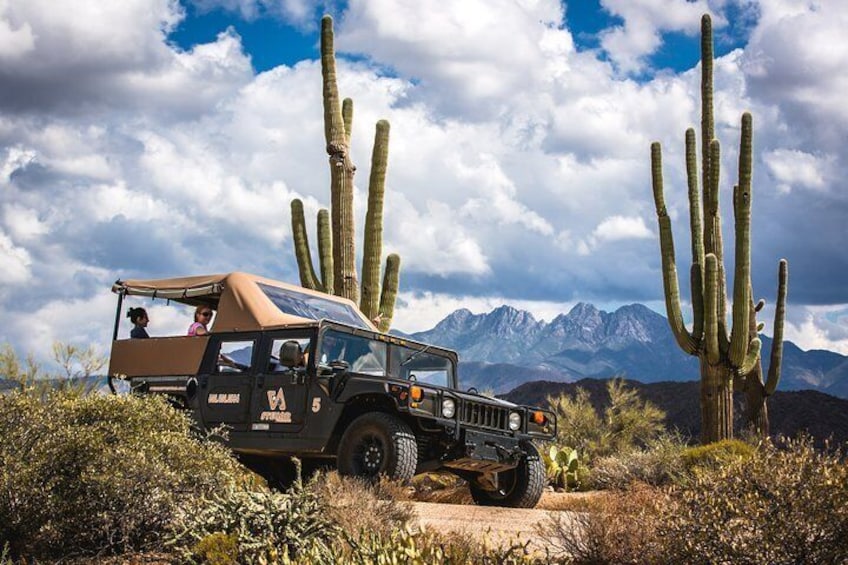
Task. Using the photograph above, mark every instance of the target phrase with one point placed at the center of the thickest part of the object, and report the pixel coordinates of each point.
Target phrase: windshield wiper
(415, 354)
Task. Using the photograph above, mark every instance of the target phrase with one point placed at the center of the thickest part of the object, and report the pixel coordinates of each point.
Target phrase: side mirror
(191, 389)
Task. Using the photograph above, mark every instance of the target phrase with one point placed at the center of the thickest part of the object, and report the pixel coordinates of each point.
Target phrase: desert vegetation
(88, 477)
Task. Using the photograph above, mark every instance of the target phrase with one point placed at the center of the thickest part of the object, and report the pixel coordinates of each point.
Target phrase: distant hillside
(507, 347)
(820, 415)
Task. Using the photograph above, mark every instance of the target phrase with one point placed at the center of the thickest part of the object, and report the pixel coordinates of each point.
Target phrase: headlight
(448, 408)
(514, 421)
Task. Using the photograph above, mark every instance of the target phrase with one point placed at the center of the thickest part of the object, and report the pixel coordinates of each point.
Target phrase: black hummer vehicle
(293, 372)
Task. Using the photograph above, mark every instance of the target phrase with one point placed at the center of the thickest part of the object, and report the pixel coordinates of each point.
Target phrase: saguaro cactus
(724, 358)
(336, 248)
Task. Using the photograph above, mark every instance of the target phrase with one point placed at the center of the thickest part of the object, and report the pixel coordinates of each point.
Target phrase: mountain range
(823, 417)
(506, 348)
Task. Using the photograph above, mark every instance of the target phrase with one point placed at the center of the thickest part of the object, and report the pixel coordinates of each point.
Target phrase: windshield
(311, 306)
(371, 357)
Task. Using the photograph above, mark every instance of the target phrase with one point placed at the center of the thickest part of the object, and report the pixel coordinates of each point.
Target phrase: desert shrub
(627, 422)
(619, 527)
(715, 455)
(578, 423)
(784, 504)
(344, 499)
(404, 545)
(217, 549)
(267, 525)
(659, 463)
(84, 475)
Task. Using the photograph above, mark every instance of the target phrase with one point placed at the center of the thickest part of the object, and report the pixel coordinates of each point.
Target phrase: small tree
(628, 422)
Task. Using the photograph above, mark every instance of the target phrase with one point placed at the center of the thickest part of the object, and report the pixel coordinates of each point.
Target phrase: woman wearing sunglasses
(202, 317)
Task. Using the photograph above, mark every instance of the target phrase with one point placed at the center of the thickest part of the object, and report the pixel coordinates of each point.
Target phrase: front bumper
(483, 452)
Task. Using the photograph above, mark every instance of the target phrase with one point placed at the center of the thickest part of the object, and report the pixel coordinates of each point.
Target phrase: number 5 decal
(316, 404)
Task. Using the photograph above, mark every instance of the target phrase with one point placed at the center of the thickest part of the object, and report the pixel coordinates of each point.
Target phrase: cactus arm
(334, 129)
(752, 357)
(372, 249)
(776, 358)
(711, 308)
(707, 121)
(669, 268)
(341, 173)
(325, 250)
(388, 296)
(697, 272)
(347, 118)
(301, 247)
(742, 195)
(696, 276)
(716, 246)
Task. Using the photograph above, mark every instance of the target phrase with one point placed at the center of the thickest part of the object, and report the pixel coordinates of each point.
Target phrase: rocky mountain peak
(455, 320)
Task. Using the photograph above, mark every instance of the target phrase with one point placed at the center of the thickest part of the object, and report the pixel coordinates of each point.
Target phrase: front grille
(484, 416)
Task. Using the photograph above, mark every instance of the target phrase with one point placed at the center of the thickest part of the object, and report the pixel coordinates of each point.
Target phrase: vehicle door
(280, 396)
(226, 385)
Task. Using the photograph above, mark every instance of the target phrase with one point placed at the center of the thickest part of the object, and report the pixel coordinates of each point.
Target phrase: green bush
(715, 455)
(85, 475)
(627, 422)
(217, 549)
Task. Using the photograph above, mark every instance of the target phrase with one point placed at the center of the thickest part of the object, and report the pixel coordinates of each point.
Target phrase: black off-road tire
(518, 488)
(378, 444)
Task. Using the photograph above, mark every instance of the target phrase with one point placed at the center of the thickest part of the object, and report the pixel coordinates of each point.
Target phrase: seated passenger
(139, 319)
(202, 317)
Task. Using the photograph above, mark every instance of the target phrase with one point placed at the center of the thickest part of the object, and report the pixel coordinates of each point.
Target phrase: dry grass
(618, 527)
(440, 487)
(387, 503)
(571, 501)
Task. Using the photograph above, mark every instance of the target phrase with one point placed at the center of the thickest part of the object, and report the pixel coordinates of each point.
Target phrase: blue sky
(148, 138)
(271, 39)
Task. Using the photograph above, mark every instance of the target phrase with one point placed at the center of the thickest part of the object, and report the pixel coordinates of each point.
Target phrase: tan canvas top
(242, 305)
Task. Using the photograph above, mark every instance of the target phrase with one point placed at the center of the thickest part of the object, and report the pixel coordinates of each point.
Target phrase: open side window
(235, 356)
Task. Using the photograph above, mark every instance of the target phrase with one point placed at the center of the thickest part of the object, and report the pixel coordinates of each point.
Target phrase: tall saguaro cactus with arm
(336, 248)
(725, 357)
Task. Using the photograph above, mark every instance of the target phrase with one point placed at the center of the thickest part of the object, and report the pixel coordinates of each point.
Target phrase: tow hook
(511, 455)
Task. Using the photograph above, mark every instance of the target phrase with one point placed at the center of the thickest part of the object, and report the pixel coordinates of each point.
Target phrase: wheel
(517, 488)
(378, 444)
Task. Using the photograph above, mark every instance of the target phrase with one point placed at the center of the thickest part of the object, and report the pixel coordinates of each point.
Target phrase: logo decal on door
(276, 399)
(277, 405)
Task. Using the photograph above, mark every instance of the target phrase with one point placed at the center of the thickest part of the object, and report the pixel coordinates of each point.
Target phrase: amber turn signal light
(416, 393)
(539, 418)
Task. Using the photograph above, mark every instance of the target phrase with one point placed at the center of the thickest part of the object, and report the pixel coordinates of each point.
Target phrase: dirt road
(501, 525)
